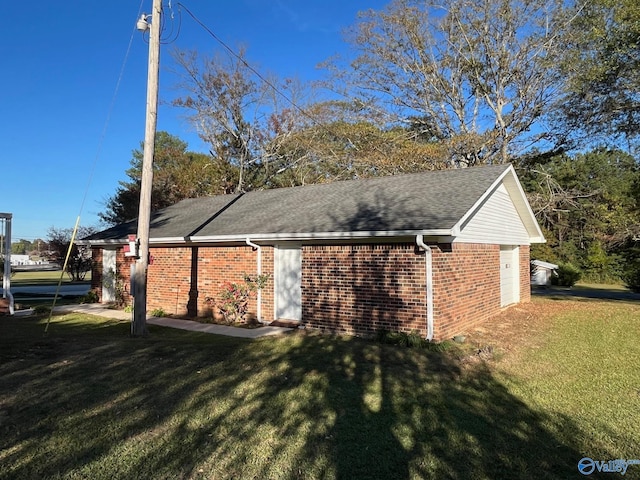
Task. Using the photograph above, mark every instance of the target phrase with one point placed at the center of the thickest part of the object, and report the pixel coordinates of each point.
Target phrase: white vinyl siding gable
(497, 221)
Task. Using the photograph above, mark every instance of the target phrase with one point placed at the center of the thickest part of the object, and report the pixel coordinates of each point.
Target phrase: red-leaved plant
(232, 300)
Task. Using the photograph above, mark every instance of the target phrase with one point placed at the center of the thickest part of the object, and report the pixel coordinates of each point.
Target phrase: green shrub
(411, 340)
(566, 275)
(120, 288)
(631, 277)
(11, 272)
(392, 338)
(41, 310)
(90, 297)
(438, 346)
(403, 339)
(158, 312)
(414, 340)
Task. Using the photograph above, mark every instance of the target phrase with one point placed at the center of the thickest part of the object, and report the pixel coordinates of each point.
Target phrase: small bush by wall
(567, 275)
(631, 277)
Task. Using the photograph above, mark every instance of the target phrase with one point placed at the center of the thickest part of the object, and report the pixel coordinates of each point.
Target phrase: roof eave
(538, 239)
(281, 237)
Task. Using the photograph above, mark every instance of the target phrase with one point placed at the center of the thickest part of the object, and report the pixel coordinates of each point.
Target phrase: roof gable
(503, 206)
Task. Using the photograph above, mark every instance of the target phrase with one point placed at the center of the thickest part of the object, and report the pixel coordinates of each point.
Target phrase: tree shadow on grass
(91, 403)
(400, 413)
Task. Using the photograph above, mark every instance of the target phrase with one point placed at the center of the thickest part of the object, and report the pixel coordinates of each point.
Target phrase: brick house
(435, 252)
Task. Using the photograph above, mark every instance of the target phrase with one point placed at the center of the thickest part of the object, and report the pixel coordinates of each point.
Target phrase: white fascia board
(279, 237)
(271, 237)
(122, 241)
(168, 240)
(528, 217)
(91, 243)
(538, 239)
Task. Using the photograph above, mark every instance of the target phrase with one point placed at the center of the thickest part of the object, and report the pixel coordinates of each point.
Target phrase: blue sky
(66, 136)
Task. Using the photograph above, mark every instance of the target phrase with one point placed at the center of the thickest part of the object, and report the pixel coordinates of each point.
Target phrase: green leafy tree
(601, 266)
(21, 247)
(631, 268)
(178, 174)
(587, 206)
(602, 69)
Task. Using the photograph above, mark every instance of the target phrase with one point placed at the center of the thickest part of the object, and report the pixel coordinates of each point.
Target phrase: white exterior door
(287, 281)
(509, 275)
(108, 276)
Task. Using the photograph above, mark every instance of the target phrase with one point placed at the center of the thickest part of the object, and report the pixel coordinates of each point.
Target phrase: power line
(108, 117)
(327, 129)
(256, 72)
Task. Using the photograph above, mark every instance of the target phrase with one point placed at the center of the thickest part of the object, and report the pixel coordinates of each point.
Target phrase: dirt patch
(285, 323)
(521, 325)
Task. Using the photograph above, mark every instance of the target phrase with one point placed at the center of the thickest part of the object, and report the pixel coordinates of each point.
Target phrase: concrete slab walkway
(97, 309)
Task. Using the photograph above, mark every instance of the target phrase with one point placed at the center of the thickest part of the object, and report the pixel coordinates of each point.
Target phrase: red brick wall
(170, 276)
(354, 289)
(96, 271)
(169, 280)
(123, 267)
(525, 275)
(466, 286)
(360, 289)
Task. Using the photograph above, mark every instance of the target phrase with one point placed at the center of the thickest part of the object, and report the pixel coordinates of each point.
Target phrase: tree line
(548, 85)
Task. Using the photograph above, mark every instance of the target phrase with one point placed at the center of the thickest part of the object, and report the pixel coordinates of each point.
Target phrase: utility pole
(139, 324)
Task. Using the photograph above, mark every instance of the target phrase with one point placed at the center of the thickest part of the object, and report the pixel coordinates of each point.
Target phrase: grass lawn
(559, 382)
(43, 277)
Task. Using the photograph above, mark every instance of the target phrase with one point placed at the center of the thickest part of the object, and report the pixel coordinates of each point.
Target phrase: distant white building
(20, 260)
(25, 260)
(542, 272)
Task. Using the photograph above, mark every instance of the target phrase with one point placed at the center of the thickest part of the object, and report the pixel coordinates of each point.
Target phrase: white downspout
(428, 271)
(259, 268)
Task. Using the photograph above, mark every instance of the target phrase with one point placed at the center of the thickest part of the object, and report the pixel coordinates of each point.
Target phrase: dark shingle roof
(421, 201)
